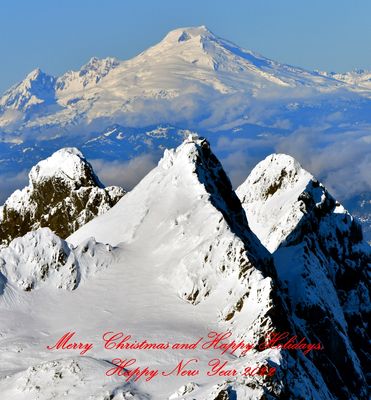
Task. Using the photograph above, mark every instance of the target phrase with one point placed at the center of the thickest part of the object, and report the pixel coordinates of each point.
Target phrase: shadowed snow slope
(323, 262)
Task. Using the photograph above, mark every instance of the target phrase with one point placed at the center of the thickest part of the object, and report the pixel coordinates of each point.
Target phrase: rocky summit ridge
(63, 194)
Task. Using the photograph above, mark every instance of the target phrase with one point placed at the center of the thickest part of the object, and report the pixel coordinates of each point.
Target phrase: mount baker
(247, 105)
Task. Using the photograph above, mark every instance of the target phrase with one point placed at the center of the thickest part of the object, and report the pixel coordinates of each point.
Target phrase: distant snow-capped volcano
(189, 67)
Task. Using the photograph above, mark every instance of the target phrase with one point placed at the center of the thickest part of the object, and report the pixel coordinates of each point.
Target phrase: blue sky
(62, 35)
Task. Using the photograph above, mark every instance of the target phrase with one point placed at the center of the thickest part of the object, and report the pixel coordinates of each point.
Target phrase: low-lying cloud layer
(342, 160)
(124, 173)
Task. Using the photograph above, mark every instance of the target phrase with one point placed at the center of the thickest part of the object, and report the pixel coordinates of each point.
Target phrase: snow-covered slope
(69, 378)
(41, 256)
(322, 261)
(183, 262)
(63, 194)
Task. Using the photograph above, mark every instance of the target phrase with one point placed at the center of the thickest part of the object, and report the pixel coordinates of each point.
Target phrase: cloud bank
(124, 173)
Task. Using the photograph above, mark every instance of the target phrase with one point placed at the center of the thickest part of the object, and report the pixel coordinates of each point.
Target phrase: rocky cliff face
(321, 260)
(63, 194)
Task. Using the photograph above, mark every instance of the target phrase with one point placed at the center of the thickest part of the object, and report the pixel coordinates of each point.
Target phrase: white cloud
(124, 173)
(341, 160)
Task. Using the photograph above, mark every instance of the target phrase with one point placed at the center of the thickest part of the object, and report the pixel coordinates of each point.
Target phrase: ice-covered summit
(187, 33)
(199, 48)
(188, 63)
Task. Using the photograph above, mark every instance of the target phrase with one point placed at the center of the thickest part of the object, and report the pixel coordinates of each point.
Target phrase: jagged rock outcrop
(63, 194)
(323, 263)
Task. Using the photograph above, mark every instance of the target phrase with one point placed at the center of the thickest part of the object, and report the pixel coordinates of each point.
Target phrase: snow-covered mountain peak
(199, 55)
(164, 211)
(188, 63)
(36, 89)
(191, 168)
(190, 45)
(270, 196)
(187, 152)
(63, 193)
(180, 35)
(99, 64)
(34, 78)
(68, 165)
(284, 203)
(320, 258)
(69, 86)
(34, 75)
(95, 69)
(277, 172)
